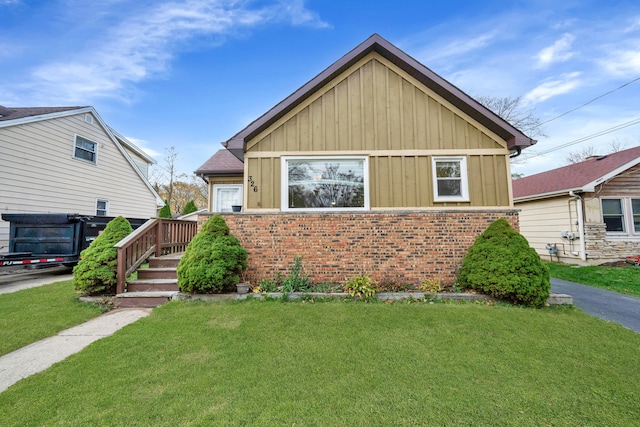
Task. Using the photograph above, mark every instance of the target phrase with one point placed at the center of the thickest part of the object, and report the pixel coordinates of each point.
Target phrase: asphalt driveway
(611, 306)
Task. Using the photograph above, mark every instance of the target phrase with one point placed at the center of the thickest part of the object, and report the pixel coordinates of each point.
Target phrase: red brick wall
(398, 247)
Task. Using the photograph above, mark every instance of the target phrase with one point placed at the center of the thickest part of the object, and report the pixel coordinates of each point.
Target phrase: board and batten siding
(543, 221)
(377, 110)
(38, 173)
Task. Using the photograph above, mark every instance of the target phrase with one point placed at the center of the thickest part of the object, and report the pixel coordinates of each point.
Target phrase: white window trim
(217, 187)
(464, 179)
(106, 202)
(627, 217)
(284, 183)
(73, 152)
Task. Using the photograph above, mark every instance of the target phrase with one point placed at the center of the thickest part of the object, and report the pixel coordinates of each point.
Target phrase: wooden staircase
(155, 285)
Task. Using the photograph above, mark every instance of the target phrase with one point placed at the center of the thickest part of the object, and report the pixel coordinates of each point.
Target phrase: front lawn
(624, 279)
(269, 363)
(32, 314)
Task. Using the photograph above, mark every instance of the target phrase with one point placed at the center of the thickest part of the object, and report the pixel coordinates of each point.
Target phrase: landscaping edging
(554, 298)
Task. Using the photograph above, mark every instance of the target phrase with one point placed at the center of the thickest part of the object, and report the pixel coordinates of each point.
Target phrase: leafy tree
(189, 207)
(95, 273)
(213, 261)
(501, 263)
(165, 212)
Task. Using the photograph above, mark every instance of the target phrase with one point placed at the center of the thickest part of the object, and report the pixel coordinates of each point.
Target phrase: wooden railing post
(153, 238)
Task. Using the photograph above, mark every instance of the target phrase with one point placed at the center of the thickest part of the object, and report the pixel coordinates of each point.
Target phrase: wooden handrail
(157, 237)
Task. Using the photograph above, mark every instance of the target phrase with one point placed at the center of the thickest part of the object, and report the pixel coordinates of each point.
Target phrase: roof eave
(512, 136)
(549, 195)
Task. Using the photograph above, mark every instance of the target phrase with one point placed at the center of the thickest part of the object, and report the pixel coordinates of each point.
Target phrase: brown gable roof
(581, 176)
(513, 137)
(221, 163)
(8, 113)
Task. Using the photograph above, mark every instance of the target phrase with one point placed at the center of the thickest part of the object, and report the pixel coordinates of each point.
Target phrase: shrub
(95, 273)
(501, 263)
(431, 286)
(165, 212)
(213, 260)
(361, 286)
(189, 207)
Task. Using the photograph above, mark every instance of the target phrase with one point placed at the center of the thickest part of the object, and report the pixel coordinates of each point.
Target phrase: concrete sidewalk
(40, 355)
(19, 281)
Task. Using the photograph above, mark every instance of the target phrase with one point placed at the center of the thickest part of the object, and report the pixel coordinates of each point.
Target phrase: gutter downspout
(583, 245)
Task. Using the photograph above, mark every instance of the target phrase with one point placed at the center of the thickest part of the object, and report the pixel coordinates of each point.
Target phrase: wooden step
(165, 261)
(157, 273)
(147, 285)
(144, 299)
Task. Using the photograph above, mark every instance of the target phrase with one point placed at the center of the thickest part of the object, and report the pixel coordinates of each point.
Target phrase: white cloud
(144, 146)
(635, 25)
(557, 52)
(623, 62)
(457, 47)
(551, 88)
(143, 44)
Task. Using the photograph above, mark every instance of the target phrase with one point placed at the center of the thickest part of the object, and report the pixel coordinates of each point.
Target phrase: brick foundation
(394, 247)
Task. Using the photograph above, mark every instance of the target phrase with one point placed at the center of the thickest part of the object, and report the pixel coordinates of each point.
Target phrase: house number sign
(253, 184)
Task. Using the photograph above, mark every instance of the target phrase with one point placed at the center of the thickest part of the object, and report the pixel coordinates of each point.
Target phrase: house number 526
(252, 184)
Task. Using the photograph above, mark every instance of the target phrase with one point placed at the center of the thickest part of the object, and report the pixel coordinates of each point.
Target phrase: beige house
(67, 160)
(584, 213)
(376, 165)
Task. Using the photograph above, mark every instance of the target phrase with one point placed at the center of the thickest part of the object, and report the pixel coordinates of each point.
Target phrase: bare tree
(512, 110)
(590, 151)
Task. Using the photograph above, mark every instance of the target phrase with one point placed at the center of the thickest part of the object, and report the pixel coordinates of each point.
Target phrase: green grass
(32, 314)
(625, 280)
(264, 363)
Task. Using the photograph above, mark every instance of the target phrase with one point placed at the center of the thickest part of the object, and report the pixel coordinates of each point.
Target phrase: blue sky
(192, 73)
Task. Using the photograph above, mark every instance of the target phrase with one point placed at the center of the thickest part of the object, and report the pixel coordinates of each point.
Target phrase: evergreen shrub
(213, 261)
(165, 211)
(95, 273)
(189, 207)
(501, 263)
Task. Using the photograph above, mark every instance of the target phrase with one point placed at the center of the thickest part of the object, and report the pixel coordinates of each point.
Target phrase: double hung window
(450, 181)
(85, 149)
(621, 215)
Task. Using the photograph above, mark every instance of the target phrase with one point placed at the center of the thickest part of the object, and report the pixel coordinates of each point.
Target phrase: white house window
(621, 216)
(325, 183)
(450, 182)
(226, 196)
(85, 149)
(102, 207)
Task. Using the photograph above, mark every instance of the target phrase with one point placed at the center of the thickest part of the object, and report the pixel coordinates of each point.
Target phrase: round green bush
(213, 261)
(501, 263)
(95, 273)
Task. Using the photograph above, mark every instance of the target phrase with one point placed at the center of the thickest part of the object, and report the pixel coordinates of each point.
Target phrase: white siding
(38, 173)
(543, 221)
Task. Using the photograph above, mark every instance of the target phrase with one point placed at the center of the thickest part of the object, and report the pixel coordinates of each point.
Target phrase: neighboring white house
(67, 160)
(584, 213)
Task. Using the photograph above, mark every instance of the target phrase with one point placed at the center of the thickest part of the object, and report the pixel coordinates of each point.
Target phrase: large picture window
(450, 181)
(85, 149)
(327, 183)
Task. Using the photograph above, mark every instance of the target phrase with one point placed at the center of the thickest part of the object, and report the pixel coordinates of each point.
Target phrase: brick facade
(394, 247)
